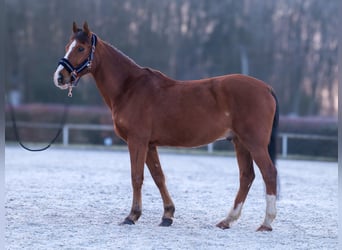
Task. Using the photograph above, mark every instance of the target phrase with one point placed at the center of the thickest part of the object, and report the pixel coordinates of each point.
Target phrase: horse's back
(236, 92)
(198, 112)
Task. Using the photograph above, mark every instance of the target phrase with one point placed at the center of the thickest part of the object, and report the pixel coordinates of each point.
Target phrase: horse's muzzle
(60, 79)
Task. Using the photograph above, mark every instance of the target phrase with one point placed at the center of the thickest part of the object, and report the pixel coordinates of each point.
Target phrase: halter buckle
(70, 91)
(74, 74)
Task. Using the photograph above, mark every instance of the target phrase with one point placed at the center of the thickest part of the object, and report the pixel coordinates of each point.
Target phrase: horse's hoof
(166, 222)
(223, 225)
(127, 221)
(264, 228)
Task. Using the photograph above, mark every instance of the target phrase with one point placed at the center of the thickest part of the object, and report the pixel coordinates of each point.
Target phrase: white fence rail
(70, 126)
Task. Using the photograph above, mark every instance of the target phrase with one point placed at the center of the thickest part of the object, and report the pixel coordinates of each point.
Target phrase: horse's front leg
(156, 171)
(137, 151)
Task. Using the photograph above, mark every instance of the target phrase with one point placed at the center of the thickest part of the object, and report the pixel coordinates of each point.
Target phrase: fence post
(65, 135)
(210, 147)
(284, 145)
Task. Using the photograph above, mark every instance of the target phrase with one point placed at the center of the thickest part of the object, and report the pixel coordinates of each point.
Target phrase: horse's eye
(80, 49)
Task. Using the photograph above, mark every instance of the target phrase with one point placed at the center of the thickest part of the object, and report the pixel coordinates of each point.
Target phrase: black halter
(74, 71)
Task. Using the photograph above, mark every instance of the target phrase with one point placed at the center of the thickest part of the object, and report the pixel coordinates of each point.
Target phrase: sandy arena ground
(75, 199)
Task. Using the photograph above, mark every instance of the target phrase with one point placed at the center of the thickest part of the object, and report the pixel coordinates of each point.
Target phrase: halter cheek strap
(74, 71)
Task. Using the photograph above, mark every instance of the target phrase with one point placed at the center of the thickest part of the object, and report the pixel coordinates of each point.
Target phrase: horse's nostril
(60, 78)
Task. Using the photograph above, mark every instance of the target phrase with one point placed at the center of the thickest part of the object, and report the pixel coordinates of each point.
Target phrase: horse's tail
(272, 146)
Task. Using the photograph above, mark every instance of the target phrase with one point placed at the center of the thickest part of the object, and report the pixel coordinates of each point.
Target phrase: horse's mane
(156, 73)
(121, 53)
(152, 71)
(82, 37)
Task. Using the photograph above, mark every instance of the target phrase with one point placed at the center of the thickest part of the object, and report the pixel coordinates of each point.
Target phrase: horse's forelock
(81, 36)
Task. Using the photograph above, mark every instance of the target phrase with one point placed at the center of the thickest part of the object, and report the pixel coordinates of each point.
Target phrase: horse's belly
(192, 122)
(193, 136)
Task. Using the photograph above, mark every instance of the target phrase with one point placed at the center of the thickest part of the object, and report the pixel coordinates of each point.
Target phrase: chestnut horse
(150, 109)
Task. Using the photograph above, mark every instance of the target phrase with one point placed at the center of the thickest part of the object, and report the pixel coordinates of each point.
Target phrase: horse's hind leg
(247, 175)
(269, 174)
(153, 164)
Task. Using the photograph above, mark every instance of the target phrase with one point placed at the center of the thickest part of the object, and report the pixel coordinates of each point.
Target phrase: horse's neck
(112, 72)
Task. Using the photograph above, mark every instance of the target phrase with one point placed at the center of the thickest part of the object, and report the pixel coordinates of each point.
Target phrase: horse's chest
(126, 126)
(121, 127)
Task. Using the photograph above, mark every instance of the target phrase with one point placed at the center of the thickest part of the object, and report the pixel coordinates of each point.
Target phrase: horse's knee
(137, 182)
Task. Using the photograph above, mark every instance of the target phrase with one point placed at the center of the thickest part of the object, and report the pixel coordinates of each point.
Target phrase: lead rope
(16, 132)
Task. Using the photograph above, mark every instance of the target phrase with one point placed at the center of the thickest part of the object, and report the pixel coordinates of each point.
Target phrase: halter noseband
(74, 71)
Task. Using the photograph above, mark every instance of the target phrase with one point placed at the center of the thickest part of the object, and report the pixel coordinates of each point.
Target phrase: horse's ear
(74, 27)
(86, 28)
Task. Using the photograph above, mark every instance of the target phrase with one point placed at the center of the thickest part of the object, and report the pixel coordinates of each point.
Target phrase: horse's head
(78, 58)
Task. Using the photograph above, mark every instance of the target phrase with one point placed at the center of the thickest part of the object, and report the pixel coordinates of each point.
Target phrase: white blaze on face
(71, 47)
(60, 67)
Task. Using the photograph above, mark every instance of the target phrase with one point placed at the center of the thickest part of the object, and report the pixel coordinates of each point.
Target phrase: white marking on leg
(271, 210)
(234, 214)
(60, 67)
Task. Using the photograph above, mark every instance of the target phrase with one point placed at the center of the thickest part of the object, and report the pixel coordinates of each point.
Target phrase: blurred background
(289, 44)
